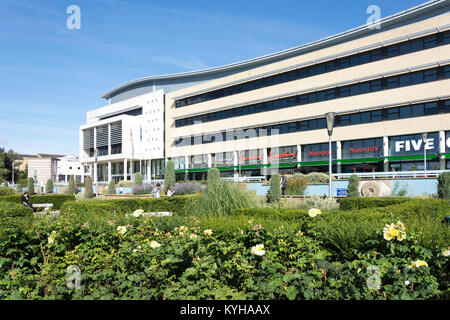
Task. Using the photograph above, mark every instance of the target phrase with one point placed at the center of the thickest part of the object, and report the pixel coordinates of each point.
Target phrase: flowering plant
(392, 231)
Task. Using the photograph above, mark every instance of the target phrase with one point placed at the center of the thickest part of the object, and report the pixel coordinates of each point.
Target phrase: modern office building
(387, 84)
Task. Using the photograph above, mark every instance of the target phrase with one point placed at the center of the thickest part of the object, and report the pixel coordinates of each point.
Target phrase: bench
(46, 206)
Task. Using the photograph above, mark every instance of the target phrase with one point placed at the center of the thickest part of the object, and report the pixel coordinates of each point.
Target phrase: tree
(71, 188)
(213, 178)
(138, 180)
(275, 188)
(49, 186)
(112, 187)
(88, 191)
(3, 169)
(353, 186)
(30, 185)
(444, 185)
(169, 175)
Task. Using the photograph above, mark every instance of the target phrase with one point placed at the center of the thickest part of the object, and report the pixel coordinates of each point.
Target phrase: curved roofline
(422, 8)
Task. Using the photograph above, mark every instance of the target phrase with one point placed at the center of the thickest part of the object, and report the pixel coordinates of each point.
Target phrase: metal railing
(245, 179)
(392, 174)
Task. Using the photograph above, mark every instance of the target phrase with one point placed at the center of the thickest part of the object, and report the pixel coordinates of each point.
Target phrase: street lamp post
(424, 142)
(330, 123)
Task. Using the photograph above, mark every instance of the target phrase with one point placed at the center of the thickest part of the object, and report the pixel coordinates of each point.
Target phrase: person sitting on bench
(26, 200)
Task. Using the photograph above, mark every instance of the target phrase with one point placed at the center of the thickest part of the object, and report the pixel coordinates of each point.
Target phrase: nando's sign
(283, 156)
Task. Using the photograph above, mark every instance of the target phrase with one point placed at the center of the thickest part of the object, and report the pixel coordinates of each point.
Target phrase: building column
(95, 173)
(386, 153)
(186, 166)
(442, 149)
(338, 156)
(149, 169)
(235, 160)
(265, 160)
(109, 171)
(125, 169)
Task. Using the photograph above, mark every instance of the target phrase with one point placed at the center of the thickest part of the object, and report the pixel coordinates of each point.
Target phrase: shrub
(275, 188)
(49, 186)
(169, 175)
(222, 199)
(71, 188)
(30, 185)
(6, 191)
(364, 202)
(88, 191)
(444, 185)
(296, 185)
(112, 187)
(188, 188)
(317, 177)
(143, 189)
(353, 186)
(213, 178)
(126, 183)
(316, 201)
(14, 214)
(138, 180)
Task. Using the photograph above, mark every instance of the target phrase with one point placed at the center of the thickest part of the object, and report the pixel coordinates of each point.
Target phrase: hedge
(179, 205)
(353, 203)
(56, 199)
(13, 214)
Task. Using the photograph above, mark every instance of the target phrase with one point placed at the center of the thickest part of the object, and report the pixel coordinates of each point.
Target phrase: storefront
(315, 157)
(406, 153)
(364, 155)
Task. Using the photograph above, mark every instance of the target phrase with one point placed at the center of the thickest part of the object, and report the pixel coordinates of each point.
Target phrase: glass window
(405, 80)
(354, 89)
(259, 107)
(330, 94)
(375, 85)
(313, 124)
(447, 71)
(417, 110)
(403, 47)
(431, 108)
(405, 112)
(303, 99)
(292, 127)
(430, 75)
(375, 55)
(292, 101)
(312, 97)
(416, 77)
(446, 39)
(392, 82)
(365, 117)
(429, 42)
(392, 51)
(364, 87)
(321, 123)
(392, 114)
(344, 120)
(268, 105)
(344, 62)
(364, 58)
(417, 45)
(376, 115)
(354, 60)
(344, 91)
(320, 96)
(304, 125)
(355, 118)
(284, 128)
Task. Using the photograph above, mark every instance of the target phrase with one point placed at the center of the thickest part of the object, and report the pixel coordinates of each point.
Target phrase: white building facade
(123, 138)
(68, 166)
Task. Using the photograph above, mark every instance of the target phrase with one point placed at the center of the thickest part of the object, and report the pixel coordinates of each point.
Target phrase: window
(313, 124)
(344, 62)
(447, 71)
(392, 82)
(375, 85)
(376, 115)
(304, 125)
(405, 80)
(403, 47)
(405, 112)
(392, 114)
(375, 55)
(417, 45)
(320, 96)
(417, 110)
(365, 117)
(365, 87)
(330, 94)
(330, 66)
(429, 42)
(344, 120)
(344, 91)
(355, 118)
(292, 101)
(416, 78)
(364, 58)
(392, 51)
(354, 89)
(431, 108)
(430, 75)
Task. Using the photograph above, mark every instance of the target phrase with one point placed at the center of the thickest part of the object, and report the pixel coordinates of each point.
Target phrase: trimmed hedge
(366, 202)
(56, 199)
(13, 214)
(179, 205)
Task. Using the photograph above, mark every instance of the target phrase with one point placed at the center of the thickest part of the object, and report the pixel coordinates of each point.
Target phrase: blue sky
(50, 75)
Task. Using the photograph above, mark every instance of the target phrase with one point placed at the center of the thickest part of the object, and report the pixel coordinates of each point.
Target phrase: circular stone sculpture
(371, 189)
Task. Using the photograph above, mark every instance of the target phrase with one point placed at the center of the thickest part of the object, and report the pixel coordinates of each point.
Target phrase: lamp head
(330, 121)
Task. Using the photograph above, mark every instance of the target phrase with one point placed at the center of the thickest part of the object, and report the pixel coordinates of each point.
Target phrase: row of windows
(134, 112)
(403, 112)
(337, 64)
(388, 83)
